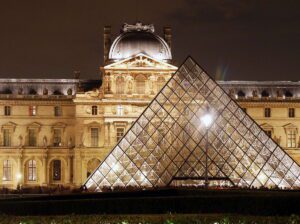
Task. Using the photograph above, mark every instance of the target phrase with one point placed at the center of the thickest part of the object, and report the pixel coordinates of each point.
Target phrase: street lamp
(207, 120)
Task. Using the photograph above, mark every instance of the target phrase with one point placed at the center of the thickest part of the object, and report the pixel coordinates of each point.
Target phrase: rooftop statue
(138, 27)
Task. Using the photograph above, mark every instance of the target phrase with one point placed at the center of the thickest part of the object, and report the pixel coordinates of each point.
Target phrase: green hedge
(150, 219)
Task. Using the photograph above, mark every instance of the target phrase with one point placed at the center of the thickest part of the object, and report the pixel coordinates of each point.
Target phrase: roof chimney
(106, 42)
(168, 35)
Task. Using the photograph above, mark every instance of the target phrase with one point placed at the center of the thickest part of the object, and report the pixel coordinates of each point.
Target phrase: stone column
(45, 173)
(77, 168)
(106, 137)
(107, 134)
(20, 173)
(70, 169)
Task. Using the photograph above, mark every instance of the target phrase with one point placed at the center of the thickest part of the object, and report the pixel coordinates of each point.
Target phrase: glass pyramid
(168, 144)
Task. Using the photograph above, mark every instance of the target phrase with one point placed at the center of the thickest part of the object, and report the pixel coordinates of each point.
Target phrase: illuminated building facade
(57, 132)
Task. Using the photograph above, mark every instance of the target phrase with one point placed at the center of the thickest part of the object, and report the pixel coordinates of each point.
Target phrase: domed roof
(137, 39)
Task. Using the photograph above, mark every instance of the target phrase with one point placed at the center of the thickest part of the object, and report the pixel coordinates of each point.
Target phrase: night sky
(232, 40)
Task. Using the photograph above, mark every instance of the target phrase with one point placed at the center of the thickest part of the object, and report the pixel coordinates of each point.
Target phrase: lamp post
(207, 120)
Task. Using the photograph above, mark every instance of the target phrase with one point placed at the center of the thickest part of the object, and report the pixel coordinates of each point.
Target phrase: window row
(95, 135)
(31, 170)
(264, 94)
(32, 111)
(33, 91)
(291, 112)
(57, 137)
(267, 112)
(32, 137)
(119, 110)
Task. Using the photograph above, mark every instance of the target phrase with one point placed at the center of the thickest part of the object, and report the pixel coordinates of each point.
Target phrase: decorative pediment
(94, 124)
(9, 125)
(266, 127)
(140, 62)
(35, 125)
(290, 126)
(59, 125)
(120, 123)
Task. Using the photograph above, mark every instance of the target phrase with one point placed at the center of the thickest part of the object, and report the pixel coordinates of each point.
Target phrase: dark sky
(234, 40)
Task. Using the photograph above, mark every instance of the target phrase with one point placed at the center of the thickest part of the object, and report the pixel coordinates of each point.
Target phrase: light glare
(207, 120)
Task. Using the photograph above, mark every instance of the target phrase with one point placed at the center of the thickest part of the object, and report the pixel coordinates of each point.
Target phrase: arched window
(32, 92)
(265, 93)
(288, 94)
(160, 83)
(120, 83)
(32, 170)
(56, 170)
(140, 84)
(241, 94)
(7, 170)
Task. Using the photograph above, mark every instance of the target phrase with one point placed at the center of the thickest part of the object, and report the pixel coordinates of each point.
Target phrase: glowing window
(120, 110)
(120, 133)
(32, 110)
(56, 172)
(291, 138)
(7, 170)
(32, 170)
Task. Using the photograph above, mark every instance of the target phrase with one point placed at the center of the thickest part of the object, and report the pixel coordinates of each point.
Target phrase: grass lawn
(155, 219)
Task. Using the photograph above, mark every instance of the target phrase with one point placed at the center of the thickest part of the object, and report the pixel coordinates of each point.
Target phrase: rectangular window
(57, 111)
(57, 137)
(32, 137)
(6, 137)
(120, 110)
(32, 170)
(7, 110)
(267, 112)
(94, 110)
(94, 137)
(291, 138)
(291, 112)
(56, 170)
(32, 110)
(7, 170)
(120, 133)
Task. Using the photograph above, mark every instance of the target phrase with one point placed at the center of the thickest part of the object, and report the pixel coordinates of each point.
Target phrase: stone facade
(56, 132)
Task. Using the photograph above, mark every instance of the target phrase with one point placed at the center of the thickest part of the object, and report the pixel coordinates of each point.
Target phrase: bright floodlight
(19, 176)
(207, 120)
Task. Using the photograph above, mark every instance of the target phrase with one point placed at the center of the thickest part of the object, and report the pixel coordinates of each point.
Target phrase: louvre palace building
(58, 131)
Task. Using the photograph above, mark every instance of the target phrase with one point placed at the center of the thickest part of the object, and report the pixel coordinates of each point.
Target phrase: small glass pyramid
(168, 144)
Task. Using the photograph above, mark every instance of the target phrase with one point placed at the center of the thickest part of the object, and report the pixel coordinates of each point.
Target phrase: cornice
(268, 103)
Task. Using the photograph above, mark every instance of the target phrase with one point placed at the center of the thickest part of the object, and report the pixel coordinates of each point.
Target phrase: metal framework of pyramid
(167, 144)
